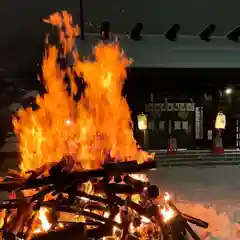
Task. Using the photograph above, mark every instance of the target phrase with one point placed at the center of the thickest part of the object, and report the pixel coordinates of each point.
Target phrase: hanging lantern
(142, 122)
(220, 122)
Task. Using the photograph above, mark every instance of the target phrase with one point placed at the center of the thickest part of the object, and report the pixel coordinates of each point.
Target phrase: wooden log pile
(108, 209)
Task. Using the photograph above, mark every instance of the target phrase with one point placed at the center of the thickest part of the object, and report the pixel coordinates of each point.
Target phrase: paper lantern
(220, 122)
(142, 122)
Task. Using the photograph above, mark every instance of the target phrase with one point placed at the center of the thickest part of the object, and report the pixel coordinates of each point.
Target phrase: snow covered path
(210, 193)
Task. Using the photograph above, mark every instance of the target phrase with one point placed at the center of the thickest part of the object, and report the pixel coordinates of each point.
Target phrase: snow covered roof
(157, 16)
(187, 51)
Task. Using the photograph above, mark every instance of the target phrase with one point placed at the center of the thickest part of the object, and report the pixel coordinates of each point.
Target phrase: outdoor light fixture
(105, 30)
(234, 34)
(220, 122)
(171, 34)
(228, 91)
(142, 121)
(206, 33)
(136, 32)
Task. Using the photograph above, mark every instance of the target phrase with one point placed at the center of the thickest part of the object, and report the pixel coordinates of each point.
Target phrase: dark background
(168, 81)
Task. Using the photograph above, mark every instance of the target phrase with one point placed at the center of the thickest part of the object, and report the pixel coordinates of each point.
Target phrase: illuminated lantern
(220, 121)
(142, 122)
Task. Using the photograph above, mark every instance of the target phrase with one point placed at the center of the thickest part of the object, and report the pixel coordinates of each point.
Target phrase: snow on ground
(210, 193)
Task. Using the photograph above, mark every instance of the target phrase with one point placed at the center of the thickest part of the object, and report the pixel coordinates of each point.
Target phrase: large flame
(97, 125)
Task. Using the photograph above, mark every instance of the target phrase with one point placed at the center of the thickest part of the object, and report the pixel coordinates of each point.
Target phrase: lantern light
(142, 122)
(220, 122)
(228, 91)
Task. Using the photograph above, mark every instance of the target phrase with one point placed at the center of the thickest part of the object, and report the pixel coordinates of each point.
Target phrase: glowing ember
(166, 196)
(141, 177)
(167, 213)
(44, 222)
(118, 220)
(45, 225)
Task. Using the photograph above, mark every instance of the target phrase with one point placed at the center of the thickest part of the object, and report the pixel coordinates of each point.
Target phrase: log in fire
(114, 201)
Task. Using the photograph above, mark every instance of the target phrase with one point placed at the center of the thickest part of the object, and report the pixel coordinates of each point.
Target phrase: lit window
(177, 125)
(199, 122)
(151, 125)
(185, 125)
(161, 125)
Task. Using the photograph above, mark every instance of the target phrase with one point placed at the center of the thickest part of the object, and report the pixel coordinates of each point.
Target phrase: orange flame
(99, 123)
(167, 213)
(45, 225)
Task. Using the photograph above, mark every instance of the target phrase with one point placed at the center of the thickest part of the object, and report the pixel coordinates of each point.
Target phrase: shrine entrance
(176, 120)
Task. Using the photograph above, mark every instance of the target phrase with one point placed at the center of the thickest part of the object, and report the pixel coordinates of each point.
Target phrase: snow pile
(209, 193)
(220, 225)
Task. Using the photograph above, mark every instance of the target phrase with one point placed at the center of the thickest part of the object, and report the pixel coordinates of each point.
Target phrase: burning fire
(45, 225)
(167, 213)
(141, 177)
(99, 123)
(96, 126)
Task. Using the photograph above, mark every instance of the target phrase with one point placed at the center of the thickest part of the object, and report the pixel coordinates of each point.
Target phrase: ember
(78, 178)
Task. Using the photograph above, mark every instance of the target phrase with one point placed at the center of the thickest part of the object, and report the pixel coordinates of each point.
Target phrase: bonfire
(82, 174)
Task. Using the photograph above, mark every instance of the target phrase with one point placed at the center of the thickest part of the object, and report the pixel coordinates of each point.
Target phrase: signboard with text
(170, 107)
